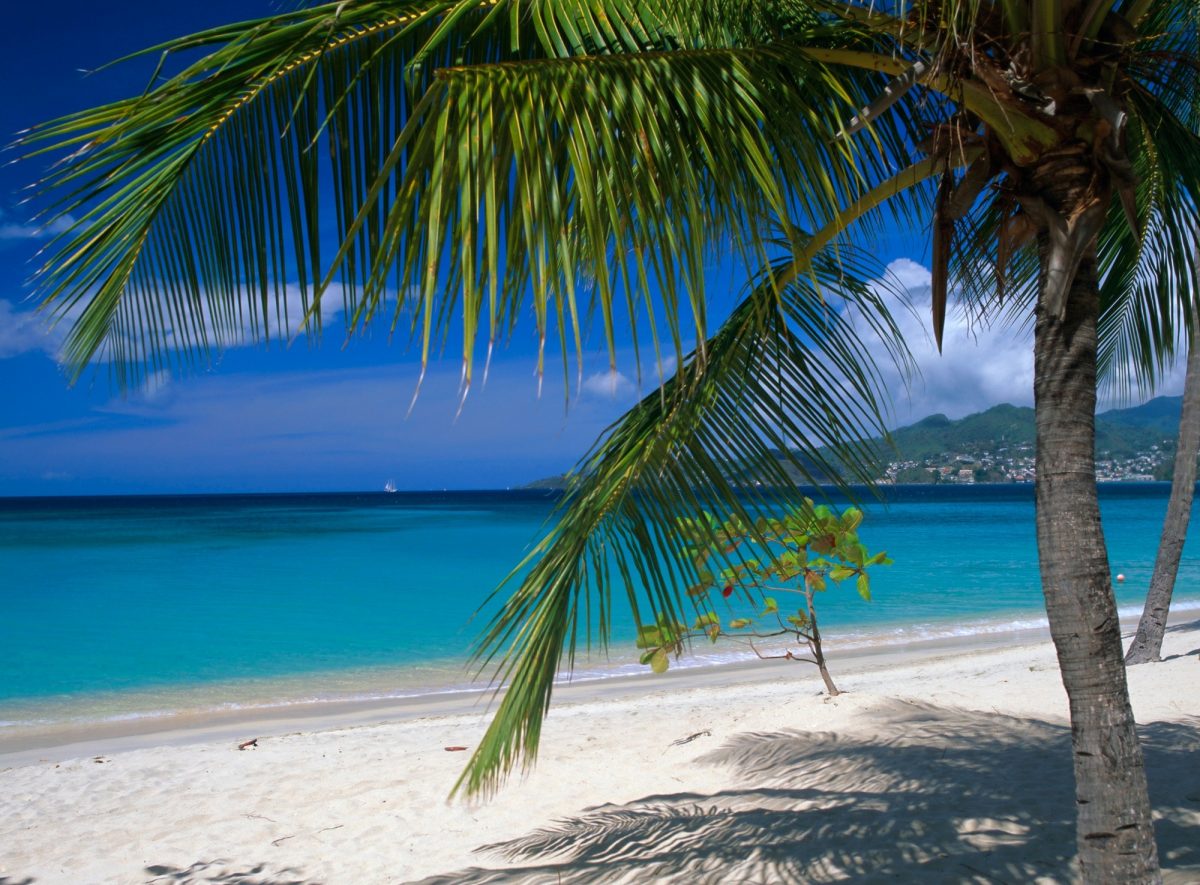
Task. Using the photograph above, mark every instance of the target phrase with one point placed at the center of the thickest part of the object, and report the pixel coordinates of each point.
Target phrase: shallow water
(127, 607)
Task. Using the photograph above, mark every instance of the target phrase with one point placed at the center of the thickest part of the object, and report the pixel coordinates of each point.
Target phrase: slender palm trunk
(1147, 643)
(1115, 834)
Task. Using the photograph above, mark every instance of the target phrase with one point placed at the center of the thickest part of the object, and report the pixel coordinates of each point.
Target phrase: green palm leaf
(788, 374)
(213, 187)
(788, 378)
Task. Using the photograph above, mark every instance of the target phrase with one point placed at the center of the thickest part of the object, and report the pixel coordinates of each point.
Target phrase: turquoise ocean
(121, 608)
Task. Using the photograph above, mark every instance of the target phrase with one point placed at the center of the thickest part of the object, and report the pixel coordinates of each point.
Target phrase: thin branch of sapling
(786, 656)
(809, 545)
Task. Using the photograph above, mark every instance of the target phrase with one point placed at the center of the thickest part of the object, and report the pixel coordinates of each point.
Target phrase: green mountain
(997, 445)
(1000, 427)
(1120, 433)
(1160, 414)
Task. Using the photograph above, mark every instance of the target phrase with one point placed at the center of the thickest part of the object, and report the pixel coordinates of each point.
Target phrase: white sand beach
(939, 764)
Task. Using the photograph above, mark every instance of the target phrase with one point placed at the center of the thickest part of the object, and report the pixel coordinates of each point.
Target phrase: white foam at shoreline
(623, 664)
(879, 637)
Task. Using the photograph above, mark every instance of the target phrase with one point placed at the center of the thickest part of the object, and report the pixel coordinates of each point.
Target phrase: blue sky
(322, 417)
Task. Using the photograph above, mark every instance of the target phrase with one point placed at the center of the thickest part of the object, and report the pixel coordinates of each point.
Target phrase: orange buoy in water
(1120, 579)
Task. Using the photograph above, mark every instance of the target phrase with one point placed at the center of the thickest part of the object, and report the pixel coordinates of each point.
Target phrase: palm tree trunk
(1147, 642)
(1115, 834)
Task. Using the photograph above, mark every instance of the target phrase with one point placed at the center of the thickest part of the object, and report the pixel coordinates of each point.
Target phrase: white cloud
(979, 365)
(14, 230)
(343, 428)
(910, 274)
(610, 385)
(614, 385)
(25, 331)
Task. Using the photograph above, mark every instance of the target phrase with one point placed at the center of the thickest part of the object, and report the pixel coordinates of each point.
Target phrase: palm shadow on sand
(224, 872)
(936, 795)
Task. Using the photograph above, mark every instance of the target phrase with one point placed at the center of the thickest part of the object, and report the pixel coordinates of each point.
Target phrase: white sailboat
(389, 486)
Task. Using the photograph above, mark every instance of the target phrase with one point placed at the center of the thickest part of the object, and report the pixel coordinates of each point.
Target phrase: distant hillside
(1160, 414)
(997, 445)
(551, 483)
(1004, 426)
(1120, 433)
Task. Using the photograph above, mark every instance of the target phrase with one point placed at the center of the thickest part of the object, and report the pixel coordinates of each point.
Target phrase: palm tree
(471, 160)
(1148, 640)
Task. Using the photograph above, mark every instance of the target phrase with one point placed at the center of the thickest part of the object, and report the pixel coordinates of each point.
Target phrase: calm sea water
(124, 607)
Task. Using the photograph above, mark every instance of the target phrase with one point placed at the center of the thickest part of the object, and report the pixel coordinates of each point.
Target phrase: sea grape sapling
(800, 552)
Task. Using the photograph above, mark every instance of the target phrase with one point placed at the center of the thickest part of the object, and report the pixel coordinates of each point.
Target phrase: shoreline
(135, 631)
(941, 763)
(862, 652)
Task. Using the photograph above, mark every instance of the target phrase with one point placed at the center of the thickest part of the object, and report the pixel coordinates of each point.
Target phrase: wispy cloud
(26, 331)
(320, 429)
(979, 365)
(15, 230)
(285, 318)
(609, 385)
(152, 398)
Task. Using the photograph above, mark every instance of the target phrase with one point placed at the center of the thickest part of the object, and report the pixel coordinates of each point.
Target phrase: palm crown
(452, 164)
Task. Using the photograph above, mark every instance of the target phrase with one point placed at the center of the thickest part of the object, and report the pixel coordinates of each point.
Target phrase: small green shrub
(801, 552)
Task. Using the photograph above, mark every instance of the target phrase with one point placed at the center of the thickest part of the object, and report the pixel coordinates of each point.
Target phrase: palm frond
(789, 377)
(1149, 282)
(219, 183)
(196, 201)
(612, 152)
(788, 386)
